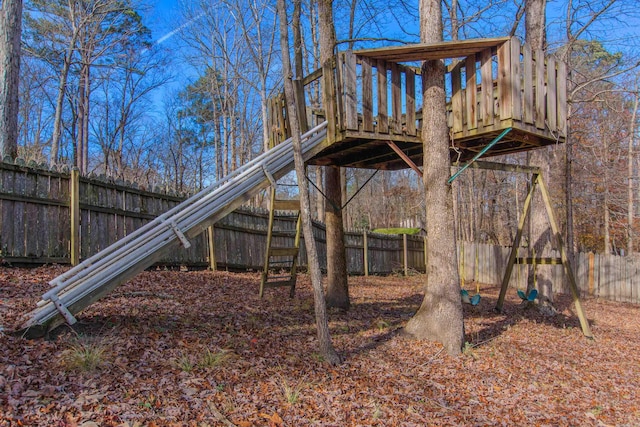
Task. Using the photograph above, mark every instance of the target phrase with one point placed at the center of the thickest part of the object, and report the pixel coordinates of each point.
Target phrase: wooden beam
(503, 167)
(351, 101)
(383, 106)
(552, 110)
(432, 51)
(539, 261)
(487, 87)
(404, 157)
(541, 90)
(411, 101)
(561, 88)
(527, 71)
(516, 243)
(584, 323)
(396, 99)
(456, 97)
(367, 96)
(505, 81)
(471, 107)
(516, 79)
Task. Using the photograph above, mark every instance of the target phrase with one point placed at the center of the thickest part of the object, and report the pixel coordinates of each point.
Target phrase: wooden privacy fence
(36, 226)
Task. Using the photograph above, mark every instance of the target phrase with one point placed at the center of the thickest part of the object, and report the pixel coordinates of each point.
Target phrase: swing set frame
(537, 182)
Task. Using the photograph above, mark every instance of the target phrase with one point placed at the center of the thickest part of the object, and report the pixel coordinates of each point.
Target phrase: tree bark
(439, 317)
(337, 288)
(539, 232)
(337, 283)
(630, 159)
(322, 323)
(10, 35)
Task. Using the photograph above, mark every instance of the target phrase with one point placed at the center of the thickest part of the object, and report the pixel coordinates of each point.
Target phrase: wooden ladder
(280, 262)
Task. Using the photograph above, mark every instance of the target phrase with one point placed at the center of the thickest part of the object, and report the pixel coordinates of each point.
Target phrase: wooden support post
(265, 271)
(74, 211)
(212, 249)
(516, 243)
(584, 323)
(404, 157)
(365, 259)
(405, 255)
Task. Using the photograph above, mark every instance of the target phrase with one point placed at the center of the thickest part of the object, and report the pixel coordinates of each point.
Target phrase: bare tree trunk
(322, 323)
(606, 201)
(10, 35)
(440, 315)
(337, 287)
(535, 22)
(630, 159)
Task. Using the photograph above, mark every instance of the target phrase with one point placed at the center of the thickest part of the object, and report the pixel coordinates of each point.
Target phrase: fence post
(426, 255)
(405, 255)
(592, 259)
(365, 245)
(74, 212)
(212, 248)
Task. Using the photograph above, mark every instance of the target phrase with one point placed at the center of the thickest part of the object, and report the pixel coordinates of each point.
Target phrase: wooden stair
(280, 264)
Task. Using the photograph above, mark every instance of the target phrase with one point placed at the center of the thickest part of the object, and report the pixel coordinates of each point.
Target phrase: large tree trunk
(337, 288)
(322, 323)
(440, 315)
(337, 284)
(539, 232)
(10, 33)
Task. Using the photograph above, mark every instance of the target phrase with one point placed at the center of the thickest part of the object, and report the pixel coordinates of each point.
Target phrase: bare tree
(630, 167)
(440, 315)
(10, 33)
(322, 323)
(337, 283)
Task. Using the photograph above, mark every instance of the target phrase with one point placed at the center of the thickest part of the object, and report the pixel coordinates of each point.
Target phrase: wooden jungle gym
(503, 98)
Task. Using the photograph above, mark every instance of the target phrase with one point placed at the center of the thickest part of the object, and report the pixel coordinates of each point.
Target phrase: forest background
(173, 95)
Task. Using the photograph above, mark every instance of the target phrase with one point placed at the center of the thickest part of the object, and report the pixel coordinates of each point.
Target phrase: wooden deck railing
(375, 99)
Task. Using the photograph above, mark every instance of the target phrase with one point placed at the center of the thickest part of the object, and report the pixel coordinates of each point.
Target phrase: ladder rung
(278, 284)
(286, 205)
(539, 261)
(283, 251)
(279, 278)
(280, 261)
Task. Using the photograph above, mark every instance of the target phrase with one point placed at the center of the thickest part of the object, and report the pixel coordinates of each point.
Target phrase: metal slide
(95, 277)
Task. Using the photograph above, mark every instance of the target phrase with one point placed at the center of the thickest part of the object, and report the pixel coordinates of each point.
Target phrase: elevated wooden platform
(491, 85)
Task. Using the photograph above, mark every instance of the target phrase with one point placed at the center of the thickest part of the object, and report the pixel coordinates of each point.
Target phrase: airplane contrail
(181, 27)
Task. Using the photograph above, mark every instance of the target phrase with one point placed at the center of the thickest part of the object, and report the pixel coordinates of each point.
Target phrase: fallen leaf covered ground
(199, 348)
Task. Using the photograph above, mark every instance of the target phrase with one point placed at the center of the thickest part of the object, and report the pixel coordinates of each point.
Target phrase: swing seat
(464, 295)
(475, 300)
(533, 294)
